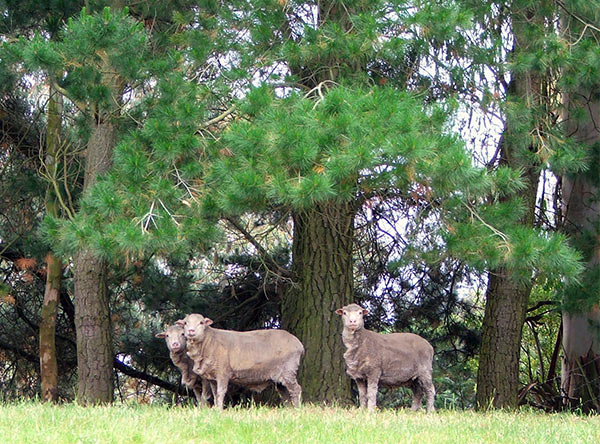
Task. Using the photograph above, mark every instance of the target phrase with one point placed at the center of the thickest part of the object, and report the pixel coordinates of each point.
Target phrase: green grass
(33, 423)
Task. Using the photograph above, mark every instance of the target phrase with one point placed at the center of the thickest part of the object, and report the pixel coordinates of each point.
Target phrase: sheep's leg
(198, 395)
(294, 390)
(430, 395)
(221, 390)
(362, 392)
(206, 392)
(284, 393)
(417, 390)
(372, 386)
(213, 389)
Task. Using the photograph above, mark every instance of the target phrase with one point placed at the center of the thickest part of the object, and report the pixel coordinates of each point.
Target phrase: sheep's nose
(176, 344)
(191, 332)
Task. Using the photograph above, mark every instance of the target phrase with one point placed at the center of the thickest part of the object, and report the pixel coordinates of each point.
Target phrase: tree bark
(498, 372)
(92, 317)
(506, 298)
(48, 359)
(323, 282)
(580, 377)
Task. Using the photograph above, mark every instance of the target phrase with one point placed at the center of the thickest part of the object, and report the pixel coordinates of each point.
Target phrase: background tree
(258, 127)
(507, 295)
(90, 65)
(581, 212)
(20, 18)
(317, 153)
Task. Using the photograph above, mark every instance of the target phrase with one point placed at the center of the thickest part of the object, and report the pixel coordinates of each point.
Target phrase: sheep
(392, 360)
(252, 359)
(176, 343)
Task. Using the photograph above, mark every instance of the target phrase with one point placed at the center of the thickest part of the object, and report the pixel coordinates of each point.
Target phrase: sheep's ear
(180, 322)
(365, 312)
(162, 334)
(339, 311)
(208, 321)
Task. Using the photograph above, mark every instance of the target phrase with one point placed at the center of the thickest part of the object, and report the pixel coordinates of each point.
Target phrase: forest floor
(34, 423)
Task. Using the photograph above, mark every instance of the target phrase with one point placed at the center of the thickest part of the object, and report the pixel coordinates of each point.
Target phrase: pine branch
(217, 119)
(80, 105)
(575, 16)
(264, 255)
(23, 354)
(130, 371)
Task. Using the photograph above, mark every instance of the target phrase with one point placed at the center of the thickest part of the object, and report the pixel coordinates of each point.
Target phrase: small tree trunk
(48, 359)
(92, 317)
(323, 281)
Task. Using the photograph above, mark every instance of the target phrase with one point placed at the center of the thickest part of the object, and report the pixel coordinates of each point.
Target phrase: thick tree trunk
(506, 305)
(323, 281)
(48, 359)
(498, 373)
(580, 379)
(92, 318)
(506, 299)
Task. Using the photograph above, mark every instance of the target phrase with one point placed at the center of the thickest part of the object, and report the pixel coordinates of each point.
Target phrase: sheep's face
(174, 337)
(194, 326)
(352, 316)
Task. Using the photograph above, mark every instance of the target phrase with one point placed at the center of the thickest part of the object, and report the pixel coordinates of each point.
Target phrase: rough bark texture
(48, 359)
(581, 202)
(92, 319)
(323, 282)
(507, 300)
(498, 373)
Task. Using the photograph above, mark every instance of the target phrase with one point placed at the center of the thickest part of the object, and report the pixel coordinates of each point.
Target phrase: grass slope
(34, 423)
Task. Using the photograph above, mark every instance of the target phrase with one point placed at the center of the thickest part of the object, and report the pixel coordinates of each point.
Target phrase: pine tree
(316, 140)
(93, 77)
(22, 18)
(507, 295)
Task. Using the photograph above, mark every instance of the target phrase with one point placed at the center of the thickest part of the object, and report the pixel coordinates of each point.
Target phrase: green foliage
(300, 151)
(352, 106)
(91, 58)
(149, 202)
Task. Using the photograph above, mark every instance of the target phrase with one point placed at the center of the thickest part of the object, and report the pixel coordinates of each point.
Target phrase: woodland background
(264, 162)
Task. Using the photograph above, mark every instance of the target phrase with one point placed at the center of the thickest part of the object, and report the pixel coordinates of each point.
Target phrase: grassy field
(34, 423)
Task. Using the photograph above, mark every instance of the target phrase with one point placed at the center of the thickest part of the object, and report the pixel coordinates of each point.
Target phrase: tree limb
(130, 371)
(82, 106)
(264, 255)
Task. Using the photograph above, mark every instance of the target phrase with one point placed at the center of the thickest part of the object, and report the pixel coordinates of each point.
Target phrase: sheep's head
(194, 326)
(174, 337)
(352, 316)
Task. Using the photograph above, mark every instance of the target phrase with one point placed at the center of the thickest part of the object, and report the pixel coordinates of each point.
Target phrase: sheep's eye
(346, 313)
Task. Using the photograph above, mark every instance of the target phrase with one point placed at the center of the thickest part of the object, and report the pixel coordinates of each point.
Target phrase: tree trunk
(506, 299)
(580, 379)
(48, 359)
(92, 317)
(323, 282)
(506, 305)
(498, 373)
